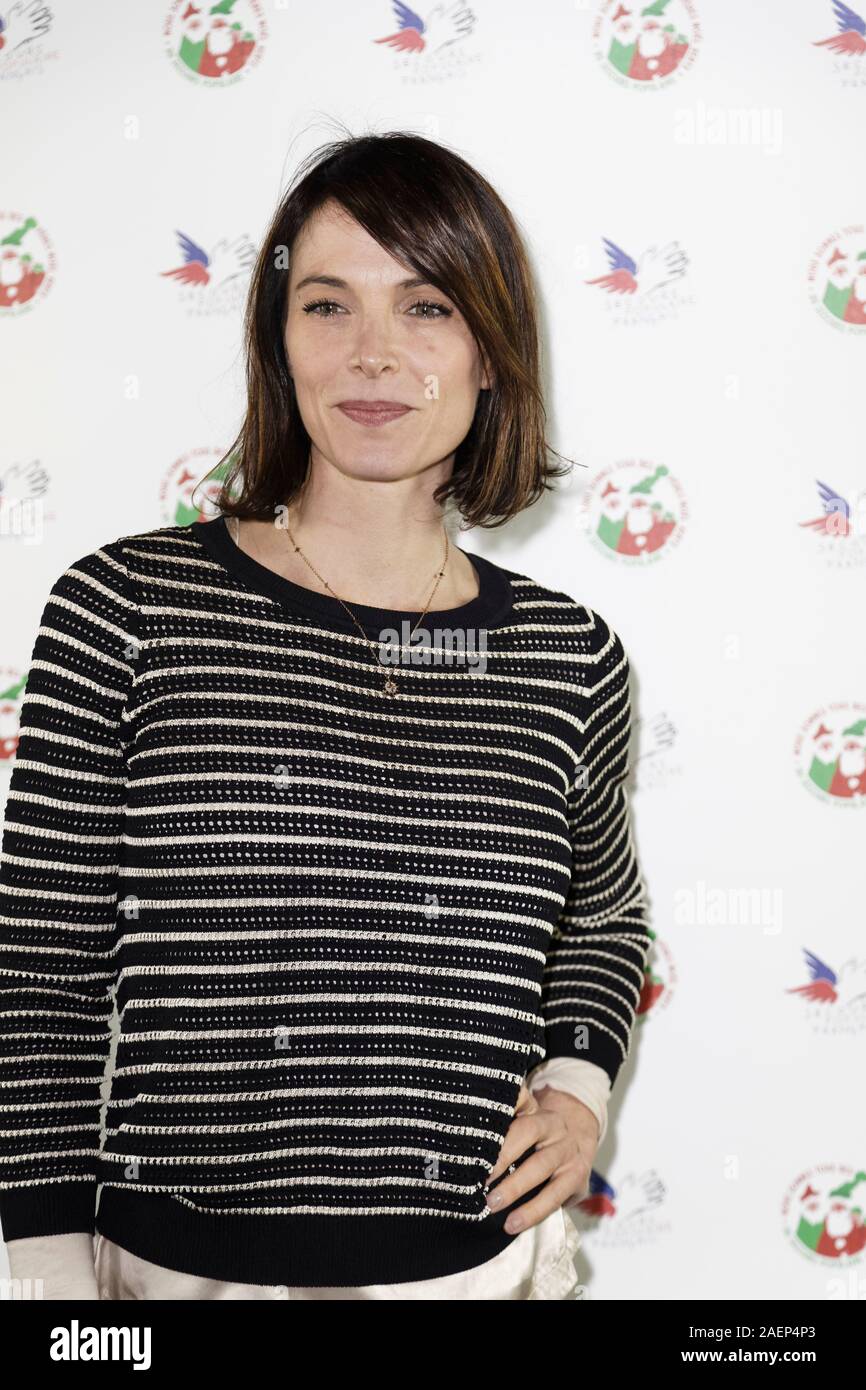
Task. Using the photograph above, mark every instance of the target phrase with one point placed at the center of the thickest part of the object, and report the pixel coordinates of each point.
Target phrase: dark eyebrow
(334, 281)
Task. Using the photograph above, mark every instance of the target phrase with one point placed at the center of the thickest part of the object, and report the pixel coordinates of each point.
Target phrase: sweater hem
(297, 1251)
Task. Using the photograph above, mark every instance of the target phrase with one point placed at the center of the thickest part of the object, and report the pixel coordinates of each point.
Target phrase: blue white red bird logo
(444, 24)
(226, 260)
(658, 266)
(851, 38)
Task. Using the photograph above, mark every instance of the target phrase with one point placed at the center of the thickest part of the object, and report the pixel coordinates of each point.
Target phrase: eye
(441, 309)
(321, 304)
(432, 309)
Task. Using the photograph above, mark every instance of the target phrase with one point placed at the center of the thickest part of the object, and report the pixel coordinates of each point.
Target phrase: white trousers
(538, 1264)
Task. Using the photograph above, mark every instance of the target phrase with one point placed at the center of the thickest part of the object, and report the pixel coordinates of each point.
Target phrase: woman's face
(356, 331)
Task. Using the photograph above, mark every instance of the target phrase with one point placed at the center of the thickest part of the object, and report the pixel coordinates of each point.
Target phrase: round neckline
(489, 607)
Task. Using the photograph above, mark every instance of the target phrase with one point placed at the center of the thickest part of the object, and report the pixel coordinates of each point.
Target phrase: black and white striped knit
(340, 925)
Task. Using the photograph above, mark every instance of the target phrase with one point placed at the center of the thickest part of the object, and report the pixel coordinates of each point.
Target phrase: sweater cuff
(48, 1209)
(601, 1048)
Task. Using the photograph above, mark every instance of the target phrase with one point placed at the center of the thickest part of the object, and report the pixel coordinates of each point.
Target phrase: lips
(373, 412)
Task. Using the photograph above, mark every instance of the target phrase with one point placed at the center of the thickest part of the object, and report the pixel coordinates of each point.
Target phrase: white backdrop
(722, 160)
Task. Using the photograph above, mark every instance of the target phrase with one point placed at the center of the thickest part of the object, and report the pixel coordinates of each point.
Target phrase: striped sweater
(339, 926)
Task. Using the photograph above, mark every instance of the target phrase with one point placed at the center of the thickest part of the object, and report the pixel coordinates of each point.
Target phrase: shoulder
(158, 541)
(536, 601)
(121, 554)
(105, 582)
(595, 636)
(594, 649)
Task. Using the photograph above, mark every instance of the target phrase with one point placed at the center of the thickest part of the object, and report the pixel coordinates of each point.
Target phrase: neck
(376, 543)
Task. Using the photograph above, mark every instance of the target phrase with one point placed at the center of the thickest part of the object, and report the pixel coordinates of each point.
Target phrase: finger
(540, 1166)
(526, 1104)
(554, 1195)
(539, 1126)
(526, 1132)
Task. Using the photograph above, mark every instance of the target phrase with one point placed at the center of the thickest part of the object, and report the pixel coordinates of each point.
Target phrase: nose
(374, 348)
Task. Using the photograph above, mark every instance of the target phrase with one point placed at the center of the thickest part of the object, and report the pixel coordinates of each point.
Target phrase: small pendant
(390, 687)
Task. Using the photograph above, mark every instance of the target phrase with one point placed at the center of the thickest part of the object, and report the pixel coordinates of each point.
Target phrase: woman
(336, 809)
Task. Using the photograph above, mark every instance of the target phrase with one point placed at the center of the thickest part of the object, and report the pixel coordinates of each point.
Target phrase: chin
(372, 466)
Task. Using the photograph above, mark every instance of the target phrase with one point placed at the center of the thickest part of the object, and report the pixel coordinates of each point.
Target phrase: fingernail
(494, 1199)
(514, 1223)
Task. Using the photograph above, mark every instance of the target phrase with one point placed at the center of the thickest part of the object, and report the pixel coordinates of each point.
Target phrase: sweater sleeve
(595, 963)
(58, 898)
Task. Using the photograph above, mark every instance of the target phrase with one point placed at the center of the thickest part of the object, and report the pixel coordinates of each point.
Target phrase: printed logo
(431, 47)
(646, 46)
(623, 1217)
(660, 976)
(840, 530)
(823, 1214)
(834, 1002)
(189, 489)
(831, 754)
(634, 511)
(654, 765)
(23, 489)
(848, 45)
(27, 263)
(213, 282)
(837, 279)
(12, 685)
(24, 27)
(647, 290)
(215, 45)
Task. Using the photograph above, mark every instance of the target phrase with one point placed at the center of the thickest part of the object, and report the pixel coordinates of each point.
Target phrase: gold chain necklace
(390, 687)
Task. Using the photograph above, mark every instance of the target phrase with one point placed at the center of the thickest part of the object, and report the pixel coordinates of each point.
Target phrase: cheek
(297, 342)
(314, 362)
(449, 376)
(448, 404)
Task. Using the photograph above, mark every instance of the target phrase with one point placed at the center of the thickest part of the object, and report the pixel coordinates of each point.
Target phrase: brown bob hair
(436, 214)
